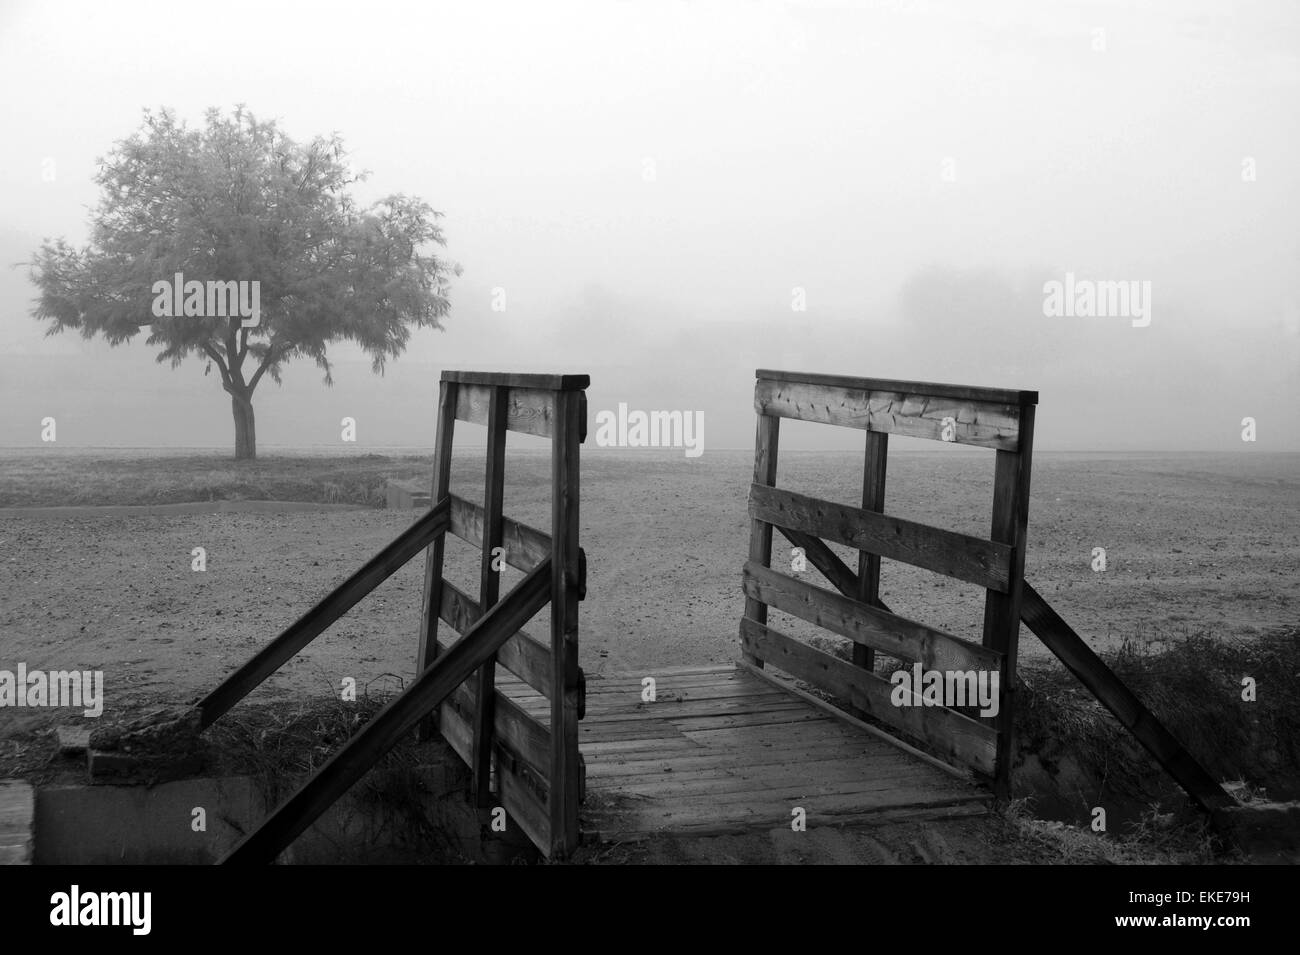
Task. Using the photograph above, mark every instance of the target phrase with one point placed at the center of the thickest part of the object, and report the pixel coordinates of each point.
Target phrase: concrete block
(17, 822)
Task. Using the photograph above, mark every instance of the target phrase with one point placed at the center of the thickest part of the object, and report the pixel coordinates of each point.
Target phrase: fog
(654, 189)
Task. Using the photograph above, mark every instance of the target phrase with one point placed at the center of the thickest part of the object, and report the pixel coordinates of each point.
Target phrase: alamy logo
(194, 299)
(103, 908)
(1084, 298)
(657, 429)
(74, 688)
(946, 688)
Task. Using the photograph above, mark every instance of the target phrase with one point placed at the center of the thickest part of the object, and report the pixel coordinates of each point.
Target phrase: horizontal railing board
(457, 731)
(862, 623)
(987, 425)
(528, 410)
(518, 798)
(1008, 396)
(525, 806)
(523, 654)
(973, 559)
(524, 736)
(955, 737)
(523, 547)
(521, 734)
(512, 380)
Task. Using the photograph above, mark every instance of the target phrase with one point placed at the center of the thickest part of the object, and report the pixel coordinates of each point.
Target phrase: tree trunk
(241, 406)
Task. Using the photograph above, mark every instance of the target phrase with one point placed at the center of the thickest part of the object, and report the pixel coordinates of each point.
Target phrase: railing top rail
(1006, 396)
(512, 380)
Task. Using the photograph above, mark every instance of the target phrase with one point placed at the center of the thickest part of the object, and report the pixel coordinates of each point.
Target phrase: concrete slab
(73, 740)
(17, 822)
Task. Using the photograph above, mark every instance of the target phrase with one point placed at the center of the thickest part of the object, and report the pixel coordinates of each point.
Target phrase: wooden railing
(985, 417)
(535, 765)
(992, 418)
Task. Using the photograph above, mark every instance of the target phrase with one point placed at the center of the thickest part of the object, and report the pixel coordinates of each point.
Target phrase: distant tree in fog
(189, 219)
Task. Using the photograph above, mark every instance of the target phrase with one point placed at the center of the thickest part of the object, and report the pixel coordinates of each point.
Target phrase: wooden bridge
(714, 749)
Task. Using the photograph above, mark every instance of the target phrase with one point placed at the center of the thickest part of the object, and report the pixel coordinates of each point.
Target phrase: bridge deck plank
(719, 751)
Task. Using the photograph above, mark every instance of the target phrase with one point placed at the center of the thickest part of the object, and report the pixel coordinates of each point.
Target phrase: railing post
(760, 532)
(433, 561)
(489, 592)
(873, 499)
(565, 769)
(1002, 611)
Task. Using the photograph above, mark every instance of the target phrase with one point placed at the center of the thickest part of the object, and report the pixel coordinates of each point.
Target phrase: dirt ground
(1192, 543)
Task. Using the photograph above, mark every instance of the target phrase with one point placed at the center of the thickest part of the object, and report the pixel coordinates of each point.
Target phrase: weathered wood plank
(746, 762)
(310, 625)
(651, 731)
(845, 717)
(957, 738)
(669, 695)
(651, 739)
(678, 670)
(859, 752)
(1002, 609)
(973, 559)
(875, 459)
(616, 828)
(684, 717)
(518, 797)
(665, 679)
(431, 606)
(825, 779)
(915, 415)
(457, 731)
(516, 731)
(772, 810)
(564, 778)
(787, 716)
(839, 811)
(523, 547)
(870, 626)
(523, 655)
(687, 699)
(1004, 396)
(485, 695)
(525, 805)
(807, 776)
(772, 737)
(601, 748)
(529, 410)
(766, 441)
(1101, 681)
(512, 380)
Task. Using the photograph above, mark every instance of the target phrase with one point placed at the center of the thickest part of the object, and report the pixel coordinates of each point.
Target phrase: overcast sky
(649, 182)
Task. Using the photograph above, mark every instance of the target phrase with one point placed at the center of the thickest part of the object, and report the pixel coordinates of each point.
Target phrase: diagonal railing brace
(311, 624)
(448, 671)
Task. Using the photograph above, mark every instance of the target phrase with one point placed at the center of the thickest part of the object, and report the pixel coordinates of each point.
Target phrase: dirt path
(952, 842)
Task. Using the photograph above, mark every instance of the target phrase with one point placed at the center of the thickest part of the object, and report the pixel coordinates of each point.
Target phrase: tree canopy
(239, 201)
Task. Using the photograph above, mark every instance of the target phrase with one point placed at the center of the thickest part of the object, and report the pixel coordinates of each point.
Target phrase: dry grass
(1193, 684)
(39, 480)
(1156, 840)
